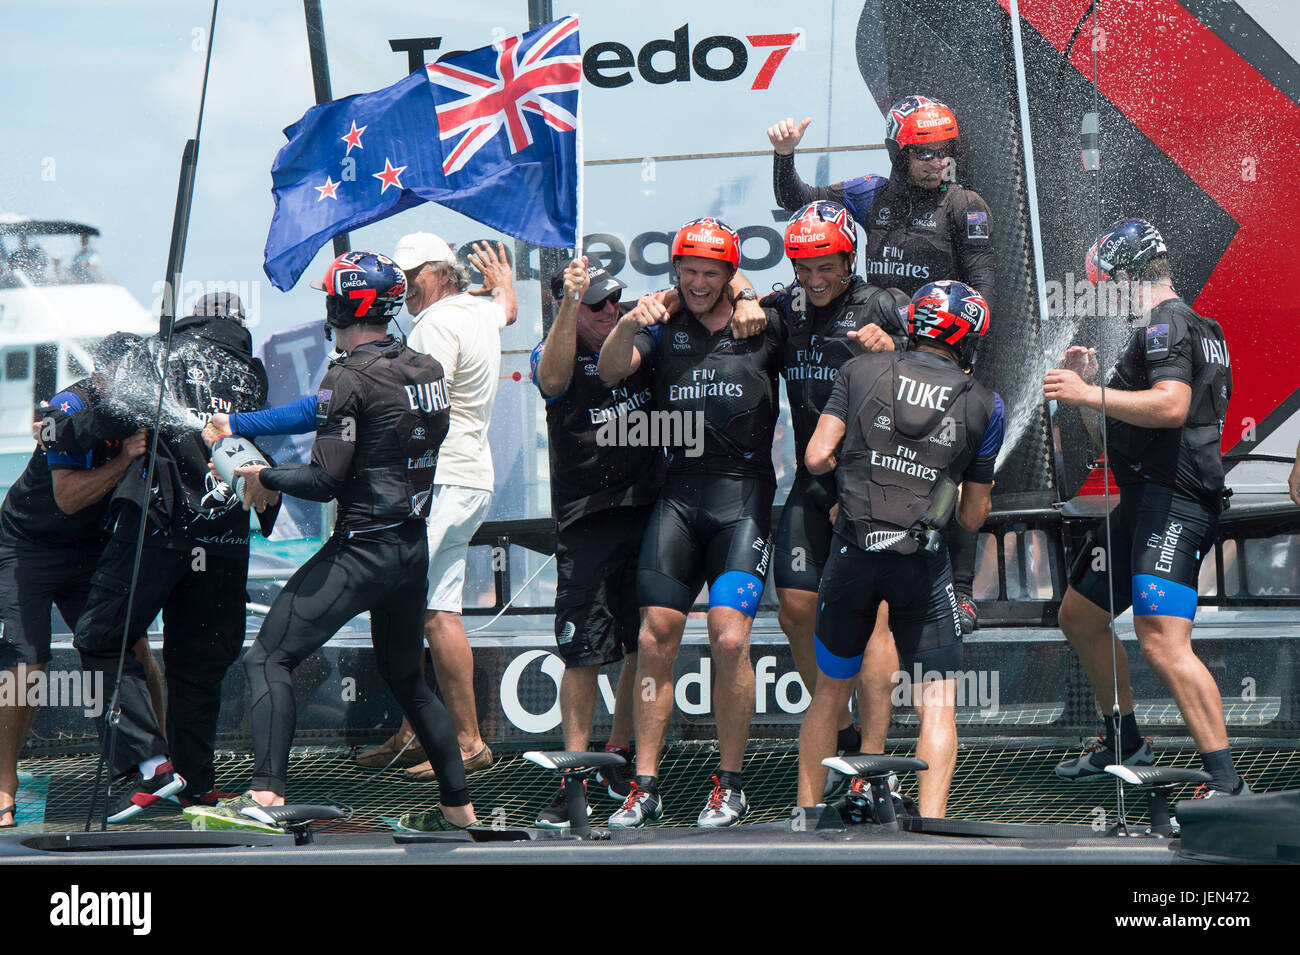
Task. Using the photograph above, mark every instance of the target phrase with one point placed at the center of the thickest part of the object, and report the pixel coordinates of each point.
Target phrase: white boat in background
(54, 302)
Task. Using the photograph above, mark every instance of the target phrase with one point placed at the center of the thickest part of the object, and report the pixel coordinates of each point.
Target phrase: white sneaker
(638, 808)
(726, 807)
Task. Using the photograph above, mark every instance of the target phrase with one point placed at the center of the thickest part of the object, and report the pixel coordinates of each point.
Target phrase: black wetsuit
(1170, 479)
(912, 420)
(816, 347)
(601, 494)
(194, 565)
(382, 412)
(47, 557)
(713, 519)
(913, 236)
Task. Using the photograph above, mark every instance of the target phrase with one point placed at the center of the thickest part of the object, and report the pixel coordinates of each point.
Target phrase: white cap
(415, 249)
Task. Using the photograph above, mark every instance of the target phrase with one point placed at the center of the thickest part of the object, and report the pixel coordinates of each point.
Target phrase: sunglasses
(612, 297)
(925, 155)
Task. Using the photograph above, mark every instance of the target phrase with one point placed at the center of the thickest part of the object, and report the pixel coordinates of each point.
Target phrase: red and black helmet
(708, 238)
(362, 288)
(918, 121)
(948, 313)
(821, 228)
(1127, 246)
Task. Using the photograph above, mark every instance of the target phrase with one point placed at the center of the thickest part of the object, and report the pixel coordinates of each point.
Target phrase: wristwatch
(747, 295)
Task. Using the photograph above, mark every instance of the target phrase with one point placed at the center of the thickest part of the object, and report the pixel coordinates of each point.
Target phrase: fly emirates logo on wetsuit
(810, 363)
(918, 394)
(623, 403)
(704, 383)
(892, 263)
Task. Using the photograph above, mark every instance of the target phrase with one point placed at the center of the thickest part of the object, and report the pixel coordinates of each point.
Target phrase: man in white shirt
(462, 330)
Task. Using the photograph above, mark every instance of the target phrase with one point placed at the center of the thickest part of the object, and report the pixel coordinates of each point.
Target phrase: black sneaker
(1210, 792)
(856, 805)
(967, 613)
(141, 793)
(617, 780)
(556, 815)
(1092, 764)
(210, 798)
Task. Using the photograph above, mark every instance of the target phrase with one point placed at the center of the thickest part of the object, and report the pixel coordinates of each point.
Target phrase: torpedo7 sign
(717, 58)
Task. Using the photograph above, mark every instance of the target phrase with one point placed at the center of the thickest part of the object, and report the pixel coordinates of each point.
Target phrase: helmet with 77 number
(821, 228)
(1129, 245)
(362, 288)
(948, 313)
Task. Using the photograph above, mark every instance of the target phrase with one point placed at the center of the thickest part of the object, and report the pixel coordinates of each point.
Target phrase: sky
(110, 93)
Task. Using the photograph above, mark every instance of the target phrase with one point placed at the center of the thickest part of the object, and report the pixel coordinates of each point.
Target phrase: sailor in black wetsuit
(54, 528)
(1165, 408)
(921, 227)
(832, 315)
(382, 412)
(601, 495)
(194, 564)
(901, 431)
(718, 398)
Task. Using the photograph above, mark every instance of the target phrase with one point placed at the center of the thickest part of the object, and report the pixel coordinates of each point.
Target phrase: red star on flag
(1153, 606)
(353, 138)
(740, 590)
(745, 604)
(1162, 593)
(1151, 586)
(329, 189)
(64, 407)
(751, 586)
(389, 177)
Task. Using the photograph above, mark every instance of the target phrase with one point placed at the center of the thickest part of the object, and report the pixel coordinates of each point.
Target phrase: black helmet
(1127, 246)
(108, 351)
(362, 288)
(220, 305)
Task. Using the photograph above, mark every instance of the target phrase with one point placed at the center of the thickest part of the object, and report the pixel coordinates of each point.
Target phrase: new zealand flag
(492, 133)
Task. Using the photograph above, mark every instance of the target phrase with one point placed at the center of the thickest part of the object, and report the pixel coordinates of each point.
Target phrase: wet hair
(1157, 270)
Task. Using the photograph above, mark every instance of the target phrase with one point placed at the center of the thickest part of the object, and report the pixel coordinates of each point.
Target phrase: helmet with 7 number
(1129, 245)
(362, 288)
(708, 238)
(821, 228)
(918, 121)
(948, 313)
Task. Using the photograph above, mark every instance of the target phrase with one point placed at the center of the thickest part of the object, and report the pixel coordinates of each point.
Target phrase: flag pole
(166, 325)
(320, 78)
(577, 234)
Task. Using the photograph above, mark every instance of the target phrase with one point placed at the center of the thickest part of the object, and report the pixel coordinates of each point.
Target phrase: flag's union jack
(498, 86)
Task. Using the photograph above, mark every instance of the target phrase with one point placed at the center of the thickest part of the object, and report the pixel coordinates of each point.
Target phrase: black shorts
(1159, 537)
(596, 610)
(803, 538)
(34, 580)
(707, 527)
(922, 610)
